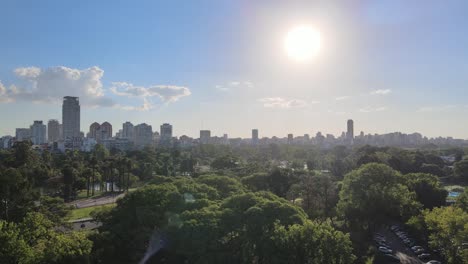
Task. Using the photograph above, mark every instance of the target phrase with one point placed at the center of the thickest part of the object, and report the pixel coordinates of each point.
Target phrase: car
(419, 251)
(83, 225)
(424, 256)
(385, 250)
(416, 247)
(433, 262)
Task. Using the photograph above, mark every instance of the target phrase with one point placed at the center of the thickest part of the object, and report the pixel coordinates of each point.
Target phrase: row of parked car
(419, 251)
(384, 249)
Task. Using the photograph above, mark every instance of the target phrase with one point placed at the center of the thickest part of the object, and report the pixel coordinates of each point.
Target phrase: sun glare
(302, 43)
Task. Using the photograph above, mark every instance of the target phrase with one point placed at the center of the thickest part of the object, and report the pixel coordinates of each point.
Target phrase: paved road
(96, 201)
(82, 225)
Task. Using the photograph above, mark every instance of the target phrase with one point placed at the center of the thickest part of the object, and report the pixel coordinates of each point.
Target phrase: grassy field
(86, 212)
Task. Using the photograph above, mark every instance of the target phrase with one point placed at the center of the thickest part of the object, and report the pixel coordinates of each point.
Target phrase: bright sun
(302, 43)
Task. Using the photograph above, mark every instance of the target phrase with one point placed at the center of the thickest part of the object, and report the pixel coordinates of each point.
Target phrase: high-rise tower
(71, 117)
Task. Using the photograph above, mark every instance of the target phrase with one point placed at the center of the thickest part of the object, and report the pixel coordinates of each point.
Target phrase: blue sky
(221, 65)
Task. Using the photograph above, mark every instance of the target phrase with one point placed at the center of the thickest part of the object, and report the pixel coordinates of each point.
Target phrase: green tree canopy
(373, 194)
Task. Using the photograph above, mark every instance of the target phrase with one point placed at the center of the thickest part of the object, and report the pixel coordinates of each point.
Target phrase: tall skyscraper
(53, 130)
(128, 131)
(105, 131)
(143, 135)
(94, 130)
(165, 136)
(350, 131)
(254, 136)
(100, 131)
(38, 133)
(290, 138)
(71, 117)
(205, 136)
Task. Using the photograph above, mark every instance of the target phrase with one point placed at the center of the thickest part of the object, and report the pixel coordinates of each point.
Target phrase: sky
(221, 65)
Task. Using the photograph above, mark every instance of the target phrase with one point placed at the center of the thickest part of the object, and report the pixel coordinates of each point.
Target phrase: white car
(433, 262)
(385, 250)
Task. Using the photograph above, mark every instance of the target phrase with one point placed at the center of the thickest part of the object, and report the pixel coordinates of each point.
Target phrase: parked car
(419, 251)
(433, 262)
(416, 247)
(385, 250)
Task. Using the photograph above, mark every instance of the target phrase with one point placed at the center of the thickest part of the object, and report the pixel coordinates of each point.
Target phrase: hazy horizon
(222, 65)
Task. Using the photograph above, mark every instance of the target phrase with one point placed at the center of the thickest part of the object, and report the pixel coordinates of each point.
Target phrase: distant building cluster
(68, 136)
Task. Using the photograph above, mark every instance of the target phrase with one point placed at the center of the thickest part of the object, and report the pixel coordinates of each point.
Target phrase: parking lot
(396, 246)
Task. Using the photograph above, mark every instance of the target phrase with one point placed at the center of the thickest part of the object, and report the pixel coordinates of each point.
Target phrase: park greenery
(212, 203)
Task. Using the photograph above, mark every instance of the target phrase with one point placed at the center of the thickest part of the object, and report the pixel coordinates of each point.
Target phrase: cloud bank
(50, 85)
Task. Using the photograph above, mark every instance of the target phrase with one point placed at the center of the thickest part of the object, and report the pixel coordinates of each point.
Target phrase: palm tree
(129, 167)
(93, 163)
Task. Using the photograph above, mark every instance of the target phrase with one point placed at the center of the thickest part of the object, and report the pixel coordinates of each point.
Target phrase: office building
(53, 130)
(38, 133)
(254, 136)
(205, 136)
(23, 134)
(165, 135)
(350, 131)
(71, 118)
(128, 131)
(143, 135)
(290, 138)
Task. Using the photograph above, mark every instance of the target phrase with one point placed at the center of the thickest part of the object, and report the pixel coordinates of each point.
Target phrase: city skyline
(228, 70)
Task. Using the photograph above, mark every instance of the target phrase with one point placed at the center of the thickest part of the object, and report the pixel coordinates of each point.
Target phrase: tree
(429, 191)
(462, 200)
(461, 169)
(432, 169)
(320, 195)
(448, 232)
(35, 241)
(68, 181)
(311, 243)
(225, 186)
(373, 194)
(16, 195)
(224, 162)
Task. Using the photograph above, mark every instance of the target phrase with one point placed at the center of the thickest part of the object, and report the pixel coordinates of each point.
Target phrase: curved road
(96, 201)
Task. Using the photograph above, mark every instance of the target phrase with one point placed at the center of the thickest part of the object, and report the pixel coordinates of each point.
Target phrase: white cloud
(50, 85)
(278, 102)
(341, 98)
(167, 93)
(381, 91)
(28, 72)
(233, 85)
(372, 109)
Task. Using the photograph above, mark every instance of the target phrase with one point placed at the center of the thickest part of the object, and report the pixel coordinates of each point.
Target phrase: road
(96, 201)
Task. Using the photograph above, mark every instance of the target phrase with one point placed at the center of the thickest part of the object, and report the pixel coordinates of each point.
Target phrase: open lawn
(86, 212)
